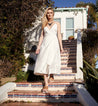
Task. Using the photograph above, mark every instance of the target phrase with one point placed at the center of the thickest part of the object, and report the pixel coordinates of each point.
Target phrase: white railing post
(79, 57)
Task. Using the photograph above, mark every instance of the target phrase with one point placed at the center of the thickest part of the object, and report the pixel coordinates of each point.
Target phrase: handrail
(79, 57)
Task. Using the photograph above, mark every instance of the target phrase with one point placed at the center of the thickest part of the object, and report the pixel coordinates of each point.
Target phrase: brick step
(68, 68)
(39, 104)
(68, 65)
(68, 52)
(68, 59)
(70, 48)
(68, 45)
(69, 80)
(68, 62)
(51, 96)
(72, 53)
(69, 42)
(37, 86)
(65, 76)
(67, 71)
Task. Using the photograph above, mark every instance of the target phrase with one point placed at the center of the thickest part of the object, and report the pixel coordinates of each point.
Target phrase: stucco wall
(80, 20)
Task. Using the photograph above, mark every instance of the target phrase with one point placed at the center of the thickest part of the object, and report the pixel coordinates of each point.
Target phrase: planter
(71, 38)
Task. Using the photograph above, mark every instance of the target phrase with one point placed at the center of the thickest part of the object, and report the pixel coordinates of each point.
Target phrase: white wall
(80, 20)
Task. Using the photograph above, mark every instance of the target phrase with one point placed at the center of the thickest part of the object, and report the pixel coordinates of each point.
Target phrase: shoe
(51, 79)
(45, 89)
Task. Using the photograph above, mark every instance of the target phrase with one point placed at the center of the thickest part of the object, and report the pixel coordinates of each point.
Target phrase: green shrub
(91, 79)
(21, 76)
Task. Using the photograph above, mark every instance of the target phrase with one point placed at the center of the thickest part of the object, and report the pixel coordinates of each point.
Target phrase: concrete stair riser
(64, 76)
(55, 100)
(39, 97)
(39, 86)
(66, 65)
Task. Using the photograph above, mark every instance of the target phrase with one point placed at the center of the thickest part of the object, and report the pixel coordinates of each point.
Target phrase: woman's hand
(62, 50)
(37, 50)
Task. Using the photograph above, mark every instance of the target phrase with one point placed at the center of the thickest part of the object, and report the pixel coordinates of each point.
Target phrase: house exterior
(71, 19)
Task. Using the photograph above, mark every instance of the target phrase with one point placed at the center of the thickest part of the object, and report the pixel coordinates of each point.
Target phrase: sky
(70, 3)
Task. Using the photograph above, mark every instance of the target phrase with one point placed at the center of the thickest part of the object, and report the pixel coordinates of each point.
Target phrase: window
(69, 27)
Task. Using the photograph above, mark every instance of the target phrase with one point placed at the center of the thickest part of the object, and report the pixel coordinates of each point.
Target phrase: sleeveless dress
(48, 60)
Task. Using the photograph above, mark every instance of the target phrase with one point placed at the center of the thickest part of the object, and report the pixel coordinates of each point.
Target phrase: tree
(48, 3)
(15, 16)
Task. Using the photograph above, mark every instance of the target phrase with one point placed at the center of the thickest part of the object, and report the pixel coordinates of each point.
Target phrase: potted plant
(71, 37)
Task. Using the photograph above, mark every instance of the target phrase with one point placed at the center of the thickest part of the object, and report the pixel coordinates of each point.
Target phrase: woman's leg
(45, 88)
(46, 79)
(51, 75)
(51, 78)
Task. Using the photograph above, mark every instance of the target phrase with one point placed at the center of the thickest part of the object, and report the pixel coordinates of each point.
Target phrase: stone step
(66, 71)
(67, 55)
(37, 86)
(68, 59)
(68, 62)
(65, 76)
(68, 52)
(51, 96)
(71, 48)
(68, 68)
(68, 65)
(72, 53)
(20, 103)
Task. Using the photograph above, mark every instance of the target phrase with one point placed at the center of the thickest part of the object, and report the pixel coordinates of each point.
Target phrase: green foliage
(15, 16)
(90, 71)
(48, 3)
(27, 76)
(21, 76)
(96, 5)
(91, 79)
(90, 45)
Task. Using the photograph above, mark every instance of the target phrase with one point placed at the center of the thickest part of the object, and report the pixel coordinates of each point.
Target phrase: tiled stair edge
(10, 86)
(84, 96)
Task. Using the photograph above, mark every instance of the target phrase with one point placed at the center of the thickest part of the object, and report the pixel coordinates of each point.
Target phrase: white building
(71, 19)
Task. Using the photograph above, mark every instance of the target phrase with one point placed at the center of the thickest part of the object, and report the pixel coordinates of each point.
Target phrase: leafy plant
(21, 76)
(71, 37)
(90, 71)
(91, 79)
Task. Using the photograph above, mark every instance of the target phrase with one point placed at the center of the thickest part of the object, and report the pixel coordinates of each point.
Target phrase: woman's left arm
(60, 37)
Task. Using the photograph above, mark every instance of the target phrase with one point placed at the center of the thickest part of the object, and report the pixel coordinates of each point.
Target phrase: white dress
(49, 60)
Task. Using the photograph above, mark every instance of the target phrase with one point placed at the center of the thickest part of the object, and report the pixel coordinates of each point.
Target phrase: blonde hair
(44, 18)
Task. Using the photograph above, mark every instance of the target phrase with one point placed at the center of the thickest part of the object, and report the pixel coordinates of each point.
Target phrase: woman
(48, 60)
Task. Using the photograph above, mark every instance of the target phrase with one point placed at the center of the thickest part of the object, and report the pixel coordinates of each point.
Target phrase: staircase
(61, 90)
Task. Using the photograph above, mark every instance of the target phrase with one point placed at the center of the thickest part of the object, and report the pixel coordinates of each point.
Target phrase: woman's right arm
(40, 42)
